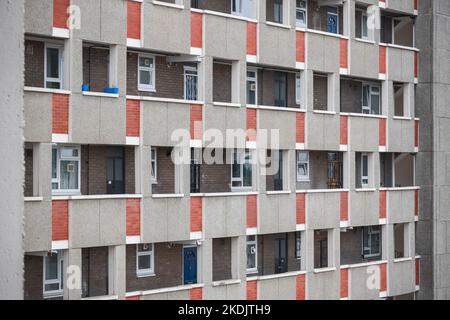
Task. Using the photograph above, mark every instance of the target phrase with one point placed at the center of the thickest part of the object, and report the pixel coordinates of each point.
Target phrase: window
(154, 165)
(301, 13)
(236, 7)
(65, 169)
(364, 170)
(280, 89)
(241, 169)
(332, 20)
(321, 249)
(146, 73)
(371, 241)
(252, 85)
(144, 260)
(278, 11)
(252, 254)
(190, 83)
(53, 275)
(298, 89)
(302, 166)
(195, 169)
(194, 4)
(400, 241)
(371, 99)
(298, 245)
(53, 66)
(362, 30)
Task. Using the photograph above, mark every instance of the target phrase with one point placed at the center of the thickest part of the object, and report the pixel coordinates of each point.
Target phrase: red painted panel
(251, 38)
(60, 14)
(383, 209)
(60, 220)
(382, 132)
(133, 19)
(252, 212)
(300, 127)
(300, 287)
(133, 216)
(252, 290)
(344, 130)
(60, 113)
(301, 208)
(382, 60)
(133, 118)
(196, 122)
(300, 47)
(252, 125)
(344, 206)
(196, 214)
(344, 53)
(344, 283)
(196, 30)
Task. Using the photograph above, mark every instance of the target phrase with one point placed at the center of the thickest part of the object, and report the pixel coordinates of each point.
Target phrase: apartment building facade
(110, 215)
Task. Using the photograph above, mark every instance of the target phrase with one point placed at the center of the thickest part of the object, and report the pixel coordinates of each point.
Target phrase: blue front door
(190, 265)
(332, 20)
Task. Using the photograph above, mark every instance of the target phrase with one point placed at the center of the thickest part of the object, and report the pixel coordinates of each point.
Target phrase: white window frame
(254, 79)
(301, 178)
(58, 280)
(364, 14)
(363, 177)
(241, 158)
(298, 89)
(59, 80)
(154, 160)
(238, 6)
(146, 87)
(305, 12)
(370, 232)
(57, 180)
(185, 74)
(150, 271)
(368, 108)
(255, 243)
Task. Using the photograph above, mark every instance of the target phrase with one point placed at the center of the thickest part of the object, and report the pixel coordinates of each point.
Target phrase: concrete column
(145, 170)
(387, 93)
(238, 82)
(351, 155)
(309, 250)
(375, 168)
(334, 252)
(349, 18)
(334, 86)
(42, 170)
(113, 65)
(207, 262)
(289, 170)
(205, 79)
(72, 274)
(117, 271)
(262, 11)
(309, 89)
(388, 243)
(409, 100)
(138, 169)
(238, 257)
(74, 63)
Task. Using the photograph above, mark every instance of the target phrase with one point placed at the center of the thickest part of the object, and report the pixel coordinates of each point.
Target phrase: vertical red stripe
(252, 212)
(133, 118)
(344, 53)
(344, 130)
(60, 14)
(251, 124)
(301, 208)
(382, 131)
(196, 214)
(383, 277)
(344, 283)
(300, 287)
(196, 122)
(133, 19)
(416, 133)
(383, 210)
(196, 30)
(300, 127)
(252, 290)
(417, 271)
(251, 38)
(133, 217)
(416, 64)
(416, 203)
(344, 206)
(196, 294)
(60, 113)
(60, 220)
(382, 60)
(300, 46)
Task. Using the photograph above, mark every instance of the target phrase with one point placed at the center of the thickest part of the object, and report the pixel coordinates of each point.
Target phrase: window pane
(365, 95)
(365, 166)
(144, 262)
(375, 104)
(251, 92)
(144, 248)
(54, 159)
(302, 170)
(52, 287)
(69, 175)
(144, 77)
(69, 153)
(364, 26)
(251, 256)
(51, 267)
(247, 175)
(302, 156)
(53, 85)
(146, 62)
(53, 63)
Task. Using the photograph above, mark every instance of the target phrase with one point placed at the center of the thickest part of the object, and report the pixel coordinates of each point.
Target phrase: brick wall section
(300, 286)
(165, 172)
(266, 88)
(252, 211)
(300, 127)
(300, 47)
(60, 220)
(196, 30)
(221, 259)
(196, 122)
(196, 294)
(34, 63)
(344, 283)
(417, 271)
(60, 14)
(133, 118)
(382, 132)
(33, 281)
(60, 113)
(344, 206)
(93, 170)
(317, 17)
(382, 62)
(252, 124)
(96, 68)
(252, 38)
(133, 213)
(28, 186)
(383, 277)
(383, 208)
(266, 253)
(221, 82)
(169, 79)
(94, 271)
(133, 298)
(168, 268)
(215, 177)
(344, 130)
(344, 53)
(196, 214)
(301, 208)
(320, 91)
(252, 290)
(133, 19)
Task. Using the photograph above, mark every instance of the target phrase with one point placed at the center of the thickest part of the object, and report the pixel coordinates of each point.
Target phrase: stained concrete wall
(433, 236)
(11, 141)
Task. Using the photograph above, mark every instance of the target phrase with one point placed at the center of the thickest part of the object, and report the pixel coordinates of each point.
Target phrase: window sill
(226, 282)
(281, 275)
(46, 90)
(96, 197)
(303, 180)
(274, 108)
(170, 5)
(365, 190)
(323, 270)
(56, 294)
(402, 118)
(279, 25)
(363, 115)
(400, 188)
(398, 260)
(100, 94)
(146, 89)
(363, 264)
(365, 41)
(324, 112)
(278, 192)
(326, 190)
(146, 275)
(226, 194)
(167, 196)
(324, 33)
(227, 104)
(157, 99)
(225, 15)
(33, 199)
